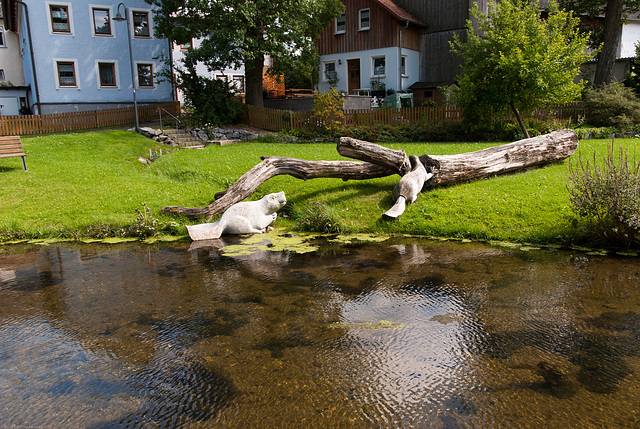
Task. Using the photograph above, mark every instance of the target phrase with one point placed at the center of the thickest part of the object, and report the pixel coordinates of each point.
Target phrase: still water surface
(403, 333)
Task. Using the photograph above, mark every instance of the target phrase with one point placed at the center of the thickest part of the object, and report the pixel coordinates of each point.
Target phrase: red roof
(398, 12)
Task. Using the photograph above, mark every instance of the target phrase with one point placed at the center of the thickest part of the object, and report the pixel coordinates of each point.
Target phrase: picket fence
(60, 122)
(277, 120)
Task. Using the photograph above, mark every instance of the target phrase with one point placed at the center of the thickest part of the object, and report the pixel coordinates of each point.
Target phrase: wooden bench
(12, 146)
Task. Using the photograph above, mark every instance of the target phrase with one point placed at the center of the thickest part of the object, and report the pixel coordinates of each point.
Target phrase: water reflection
(406, 333)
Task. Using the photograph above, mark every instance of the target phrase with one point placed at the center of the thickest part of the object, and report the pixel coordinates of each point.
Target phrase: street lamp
(120, 18)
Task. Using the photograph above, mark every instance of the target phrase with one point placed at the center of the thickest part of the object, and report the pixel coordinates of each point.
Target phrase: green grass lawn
(78, 183)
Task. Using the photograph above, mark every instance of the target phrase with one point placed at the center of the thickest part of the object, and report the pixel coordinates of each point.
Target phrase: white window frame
(93, 24)
(149, 23)
(235, 79)
(2, 76)
(403, 68)
(3, 42)
(76, 72)
(325, 78)
(344, 30)
(360, 13)
(373, 66)
(70, 17)
(153, 77)
(116, 72)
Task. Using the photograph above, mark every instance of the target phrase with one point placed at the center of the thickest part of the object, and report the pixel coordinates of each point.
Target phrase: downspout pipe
(406, 25)
(33, 60)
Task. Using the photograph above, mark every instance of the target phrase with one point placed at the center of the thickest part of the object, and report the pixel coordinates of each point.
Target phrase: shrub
(327, 110)
(612, 106)
(607, 197)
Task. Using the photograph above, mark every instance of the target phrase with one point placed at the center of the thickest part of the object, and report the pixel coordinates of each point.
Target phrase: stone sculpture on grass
(247, 217)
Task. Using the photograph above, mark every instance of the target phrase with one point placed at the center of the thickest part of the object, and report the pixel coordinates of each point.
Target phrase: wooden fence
(276, 120)
(58, 122)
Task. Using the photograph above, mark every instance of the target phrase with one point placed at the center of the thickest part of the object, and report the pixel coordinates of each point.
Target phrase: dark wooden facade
(384, 31)
(444, 19)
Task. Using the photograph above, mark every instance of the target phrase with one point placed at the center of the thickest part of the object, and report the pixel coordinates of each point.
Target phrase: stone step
(224, 142)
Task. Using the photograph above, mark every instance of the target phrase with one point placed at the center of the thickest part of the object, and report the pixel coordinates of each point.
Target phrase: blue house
(88, 55)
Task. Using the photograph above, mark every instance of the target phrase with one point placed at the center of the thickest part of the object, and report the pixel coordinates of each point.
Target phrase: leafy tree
(304, 71)
(517, 61)
(210, 99)
(632, 79)
(242, 32)
(608, 34)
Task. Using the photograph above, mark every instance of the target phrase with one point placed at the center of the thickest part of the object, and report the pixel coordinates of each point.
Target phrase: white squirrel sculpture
(408, 187)
(247, 217)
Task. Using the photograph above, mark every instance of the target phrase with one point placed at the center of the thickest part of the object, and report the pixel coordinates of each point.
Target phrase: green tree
(515, 61)
(607, 34)
(304, 71)
(632, 79)
(210, 99)
(241, 32)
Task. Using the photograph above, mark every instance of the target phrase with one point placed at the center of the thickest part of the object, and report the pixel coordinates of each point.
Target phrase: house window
(379, 66)
(2, 45)
(101, 22)
(223, 78)
(186, 46)
(341, 24)
(238, 83)
(1, 74)
(141, 24)
(107, 74)
(403, 65)
(365, 21)
(330, 73)
(60, 22)
(66, 73)
(145, 75)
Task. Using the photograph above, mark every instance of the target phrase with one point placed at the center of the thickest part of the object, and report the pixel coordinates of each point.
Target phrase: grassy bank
(92, 184)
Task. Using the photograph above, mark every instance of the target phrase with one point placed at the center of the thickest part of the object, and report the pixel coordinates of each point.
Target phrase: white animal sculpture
(408, 188)
(247, 217)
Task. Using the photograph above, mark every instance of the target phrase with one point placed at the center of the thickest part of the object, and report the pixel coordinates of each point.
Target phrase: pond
(405, 332)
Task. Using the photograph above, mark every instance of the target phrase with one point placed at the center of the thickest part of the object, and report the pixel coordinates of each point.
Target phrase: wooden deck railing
(277, 120)
(58, 122)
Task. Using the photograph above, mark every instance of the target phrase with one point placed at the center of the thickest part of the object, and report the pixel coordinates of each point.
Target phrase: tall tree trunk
(520, 121)
(611, 38)
(253, 81)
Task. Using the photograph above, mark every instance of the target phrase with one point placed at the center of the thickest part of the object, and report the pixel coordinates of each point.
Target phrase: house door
(353, 70)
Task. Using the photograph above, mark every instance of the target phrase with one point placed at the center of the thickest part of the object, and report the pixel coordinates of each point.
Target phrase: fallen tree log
(507, 158)
(381, 162)
(452, 169)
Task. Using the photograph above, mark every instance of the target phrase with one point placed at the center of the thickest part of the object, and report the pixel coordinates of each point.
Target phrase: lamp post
(121, 18)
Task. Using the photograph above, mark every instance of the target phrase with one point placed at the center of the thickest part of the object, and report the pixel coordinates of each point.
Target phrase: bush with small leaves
(327, 110)
(614, 105)
(606, 197)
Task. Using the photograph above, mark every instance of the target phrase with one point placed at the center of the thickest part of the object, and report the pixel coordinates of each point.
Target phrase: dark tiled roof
(398, 12)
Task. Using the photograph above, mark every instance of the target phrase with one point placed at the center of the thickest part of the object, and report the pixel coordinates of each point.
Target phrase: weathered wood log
(446, 169)
(451, 169)
(275, 166)
(503, 159)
